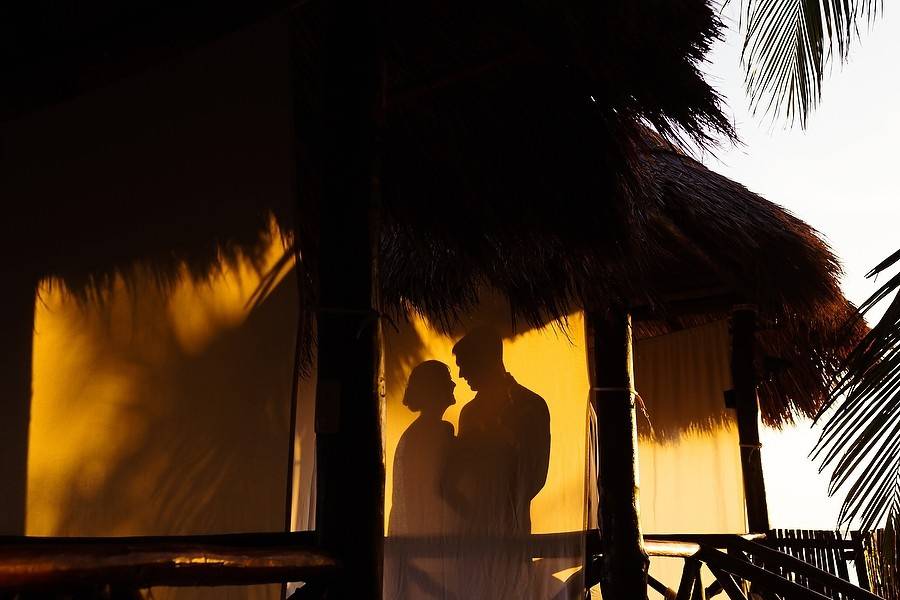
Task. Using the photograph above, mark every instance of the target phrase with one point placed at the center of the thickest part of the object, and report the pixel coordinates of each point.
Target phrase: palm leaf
(788, 44)
(861, 436)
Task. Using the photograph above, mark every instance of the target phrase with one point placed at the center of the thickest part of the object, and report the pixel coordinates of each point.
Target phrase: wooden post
(337, 131)
(859, 560)
(743, 373)
(17, 318)
(625, 562)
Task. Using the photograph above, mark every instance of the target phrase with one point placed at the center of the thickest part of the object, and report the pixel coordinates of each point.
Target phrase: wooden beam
(625, 562)
(804, 568)
(769, 581)
(699, 592)
(859, 560)
(729, 586)
(716, 540)
(743, 373)
(338, 134)
(664, 590)
(702, 302)
(689, 576)
(139, 562)
(275, 539)
(671, 549)
(17, 318)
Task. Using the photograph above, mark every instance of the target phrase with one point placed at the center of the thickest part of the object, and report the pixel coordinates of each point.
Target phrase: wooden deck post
(625, 562)
(17, 317)
(338, 134)
(743, 327)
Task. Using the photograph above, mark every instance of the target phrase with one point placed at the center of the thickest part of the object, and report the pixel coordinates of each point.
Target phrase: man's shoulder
(527, 399)
(520, 392)
(466, 412)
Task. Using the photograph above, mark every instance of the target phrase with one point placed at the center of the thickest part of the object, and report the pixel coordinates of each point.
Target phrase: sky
(840, 176)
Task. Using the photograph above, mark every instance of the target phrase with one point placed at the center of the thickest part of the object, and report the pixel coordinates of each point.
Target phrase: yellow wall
(162, 412)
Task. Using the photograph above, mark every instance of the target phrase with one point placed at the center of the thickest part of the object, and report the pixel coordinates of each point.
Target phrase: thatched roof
(706, 243)
(716, 235)
(518, 112)
(640, 58)
(478, 94)
(515, 157)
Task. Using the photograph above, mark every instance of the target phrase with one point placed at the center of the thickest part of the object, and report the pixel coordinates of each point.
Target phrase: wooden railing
(828, 550)
(99, 564)
(738, 563)
(874, 557)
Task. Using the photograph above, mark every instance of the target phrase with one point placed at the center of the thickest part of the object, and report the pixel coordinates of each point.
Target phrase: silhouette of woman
(419, 516)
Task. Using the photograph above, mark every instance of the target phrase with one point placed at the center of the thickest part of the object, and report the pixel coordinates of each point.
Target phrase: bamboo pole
(339, 133)
(625, 562)
(743, 327)
(292, 428)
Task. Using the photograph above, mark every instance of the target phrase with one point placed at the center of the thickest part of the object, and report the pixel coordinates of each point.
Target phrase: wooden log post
(743, 373)
(17, 318)
(625, 562)
(340, 142)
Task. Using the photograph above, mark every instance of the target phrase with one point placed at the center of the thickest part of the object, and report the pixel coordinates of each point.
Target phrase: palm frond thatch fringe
(788, 45)
(861, 438)
(186, 242)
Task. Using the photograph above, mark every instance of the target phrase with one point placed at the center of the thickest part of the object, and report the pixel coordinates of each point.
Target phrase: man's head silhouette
(479, 356)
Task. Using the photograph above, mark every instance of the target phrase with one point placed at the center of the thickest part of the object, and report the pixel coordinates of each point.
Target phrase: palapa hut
(426, 167)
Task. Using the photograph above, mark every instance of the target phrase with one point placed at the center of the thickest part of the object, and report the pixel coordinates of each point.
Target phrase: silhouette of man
(503, 441)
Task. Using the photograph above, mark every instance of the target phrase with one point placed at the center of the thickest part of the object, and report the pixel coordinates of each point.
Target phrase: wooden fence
(873, 557)
(829, 551)
(882, 564)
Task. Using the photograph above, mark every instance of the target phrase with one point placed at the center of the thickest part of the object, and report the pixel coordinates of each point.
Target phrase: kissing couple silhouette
(466, 496)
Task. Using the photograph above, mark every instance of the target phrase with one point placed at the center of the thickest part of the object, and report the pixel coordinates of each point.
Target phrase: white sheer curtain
(690, 465)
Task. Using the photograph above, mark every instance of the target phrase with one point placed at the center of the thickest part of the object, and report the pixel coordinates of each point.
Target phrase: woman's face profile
(449, 385)
(442, 387)
(430, 388)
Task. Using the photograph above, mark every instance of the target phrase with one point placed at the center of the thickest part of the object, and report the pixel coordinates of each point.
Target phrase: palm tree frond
(887, 263)
(861, 437)
(787, 46)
